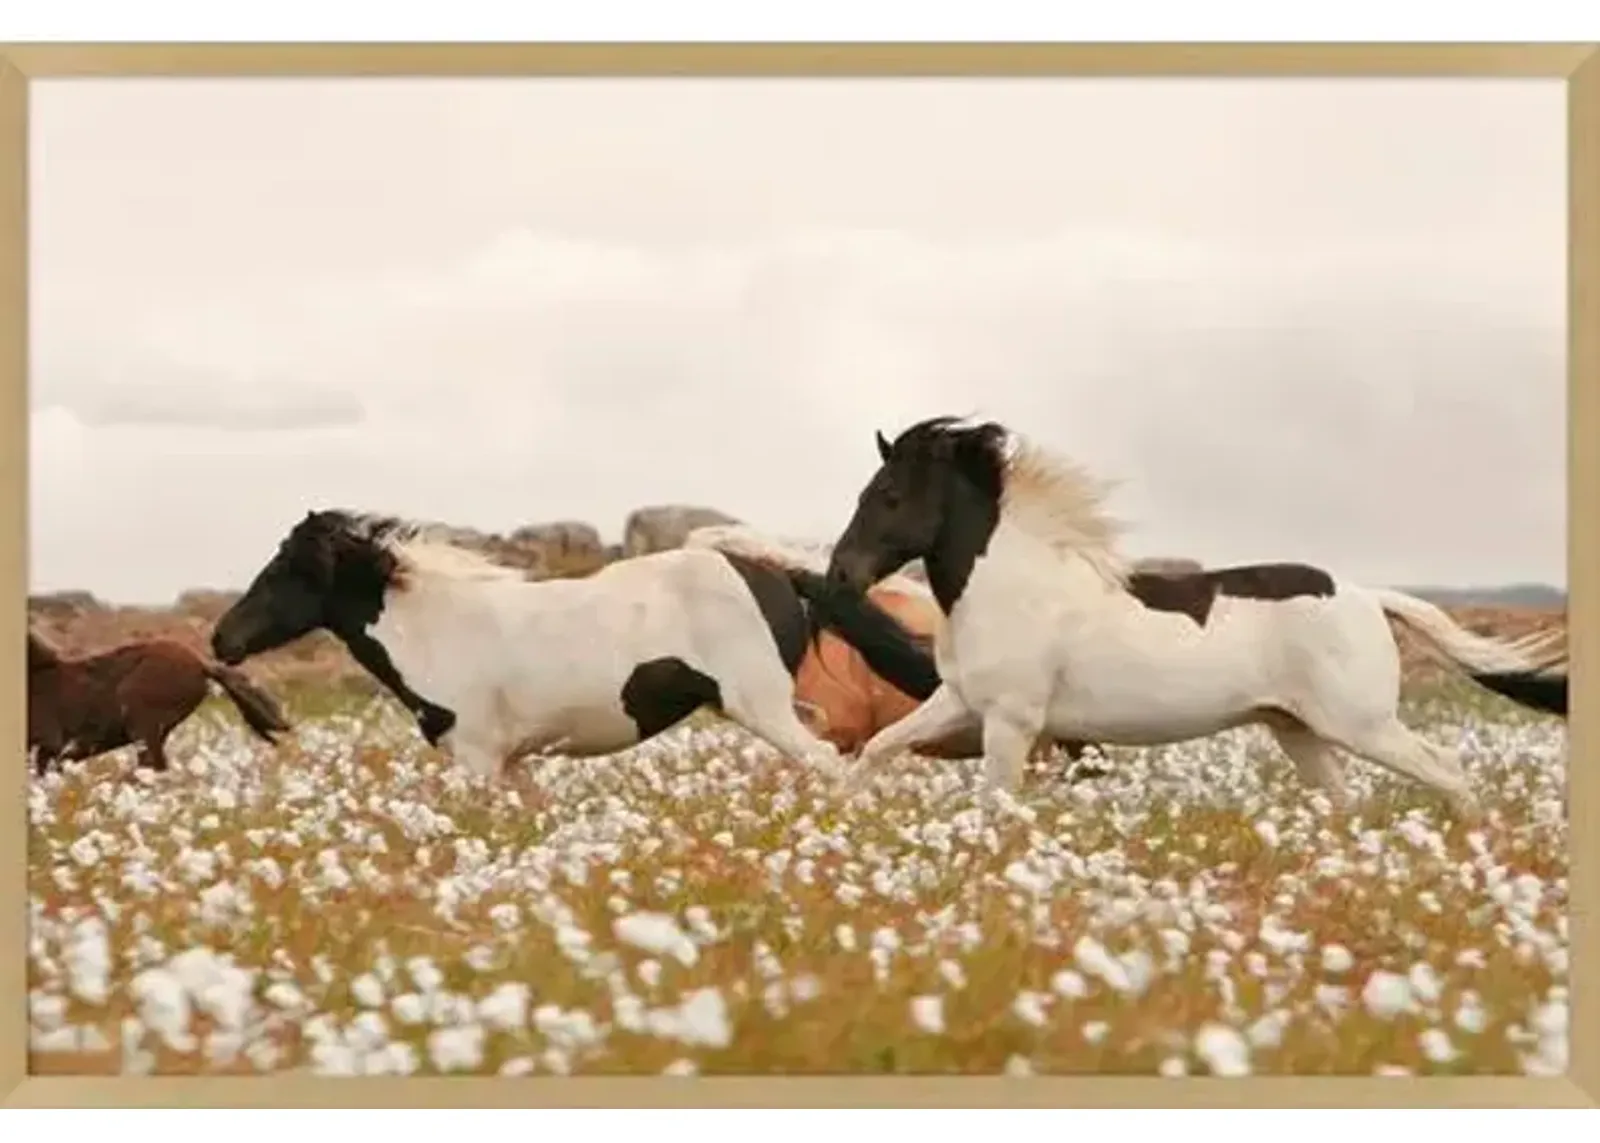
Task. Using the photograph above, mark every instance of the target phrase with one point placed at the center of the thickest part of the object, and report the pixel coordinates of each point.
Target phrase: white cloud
(1385, 409)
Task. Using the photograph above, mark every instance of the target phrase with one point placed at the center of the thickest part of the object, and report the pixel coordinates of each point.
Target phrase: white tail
(1477, 654)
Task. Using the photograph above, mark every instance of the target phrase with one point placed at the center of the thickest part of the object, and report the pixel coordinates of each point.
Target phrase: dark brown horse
(135, 694)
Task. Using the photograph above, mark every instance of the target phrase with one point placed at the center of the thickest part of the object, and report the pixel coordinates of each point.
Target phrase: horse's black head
(329, 572)
(936, 473)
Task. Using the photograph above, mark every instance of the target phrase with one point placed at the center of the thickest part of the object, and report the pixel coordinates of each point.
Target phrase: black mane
(976, 451)
(360, 526)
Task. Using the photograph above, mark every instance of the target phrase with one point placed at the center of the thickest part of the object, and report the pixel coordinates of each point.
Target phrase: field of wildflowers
(347, 904)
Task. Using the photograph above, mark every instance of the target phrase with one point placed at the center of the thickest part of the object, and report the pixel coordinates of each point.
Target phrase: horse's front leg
(153, 751)
(472, 753)
(941, 713)
(1009, 736)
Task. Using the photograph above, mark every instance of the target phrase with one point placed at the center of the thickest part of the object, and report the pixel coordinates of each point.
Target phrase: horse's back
(718, 594)
(595, 632)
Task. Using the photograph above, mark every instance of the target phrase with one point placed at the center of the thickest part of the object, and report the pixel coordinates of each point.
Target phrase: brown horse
(846, 703)
(135, 694)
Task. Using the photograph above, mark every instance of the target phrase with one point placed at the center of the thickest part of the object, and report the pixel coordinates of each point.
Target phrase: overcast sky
(1317, 320)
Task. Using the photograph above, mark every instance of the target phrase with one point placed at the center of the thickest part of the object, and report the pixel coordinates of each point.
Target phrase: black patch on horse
(780, 605)
(1194, 593)
(798, 605)
(970, 522)
(660, 693)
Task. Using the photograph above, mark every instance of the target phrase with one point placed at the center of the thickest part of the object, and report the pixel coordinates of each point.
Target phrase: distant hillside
(1538, 595)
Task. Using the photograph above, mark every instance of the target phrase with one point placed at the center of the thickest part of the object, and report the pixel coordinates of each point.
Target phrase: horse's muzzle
(226, 651)
(848, 570)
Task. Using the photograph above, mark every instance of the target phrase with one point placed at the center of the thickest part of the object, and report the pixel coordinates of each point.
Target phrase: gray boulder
(661, 527)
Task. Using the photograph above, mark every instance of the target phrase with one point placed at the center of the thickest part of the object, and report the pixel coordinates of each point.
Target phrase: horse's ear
(883, 446)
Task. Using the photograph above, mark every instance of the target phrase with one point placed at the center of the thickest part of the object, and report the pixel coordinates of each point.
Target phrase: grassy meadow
(348, 905)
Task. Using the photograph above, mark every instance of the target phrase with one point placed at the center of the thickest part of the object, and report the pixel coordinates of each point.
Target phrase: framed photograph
(890, 575)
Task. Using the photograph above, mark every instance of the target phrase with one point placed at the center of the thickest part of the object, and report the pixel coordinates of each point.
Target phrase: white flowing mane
(1061, 503)
(440, 559)
(429, 550)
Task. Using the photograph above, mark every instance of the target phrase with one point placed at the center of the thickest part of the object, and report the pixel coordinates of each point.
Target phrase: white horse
(1049, 631)
(496, 668)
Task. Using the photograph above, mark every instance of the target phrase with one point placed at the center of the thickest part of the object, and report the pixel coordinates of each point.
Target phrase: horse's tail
(1524, 665)
(260, 711)
(1536, 690)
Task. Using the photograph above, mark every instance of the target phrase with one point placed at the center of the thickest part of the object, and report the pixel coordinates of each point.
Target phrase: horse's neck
(428, 614)
(375, 658)
(1020, 566)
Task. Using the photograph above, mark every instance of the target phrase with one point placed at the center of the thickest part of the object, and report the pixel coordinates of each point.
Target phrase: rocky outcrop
(205, 603)
(541, 551)
(562, 539)
(660, 527)
(63, 605)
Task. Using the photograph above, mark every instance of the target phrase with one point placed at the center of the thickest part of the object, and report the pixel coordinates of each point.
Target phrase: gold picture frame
(1577, 65)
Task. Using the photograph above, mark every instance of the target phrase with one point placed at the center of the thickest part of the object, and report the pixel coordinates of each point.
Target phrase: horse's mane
(1061, 503)
(427, 549)
(440, 559)
(1052, 499)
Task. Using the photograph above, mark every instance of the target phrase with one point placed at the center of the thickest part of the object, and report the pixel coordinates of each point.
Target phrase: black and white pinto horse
(1049, 632)
(497, 668)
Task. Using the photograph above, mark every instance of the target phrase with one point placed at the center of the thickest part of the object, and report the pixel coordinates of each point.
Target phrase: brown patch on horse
(132, 695)
(854, 702)
(1194, 593)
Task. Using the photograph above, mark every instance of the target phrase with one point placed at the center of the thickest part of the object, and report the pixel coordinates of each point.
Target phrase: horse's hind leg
(1394, 745)
(152, 745)
(1316, 760)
